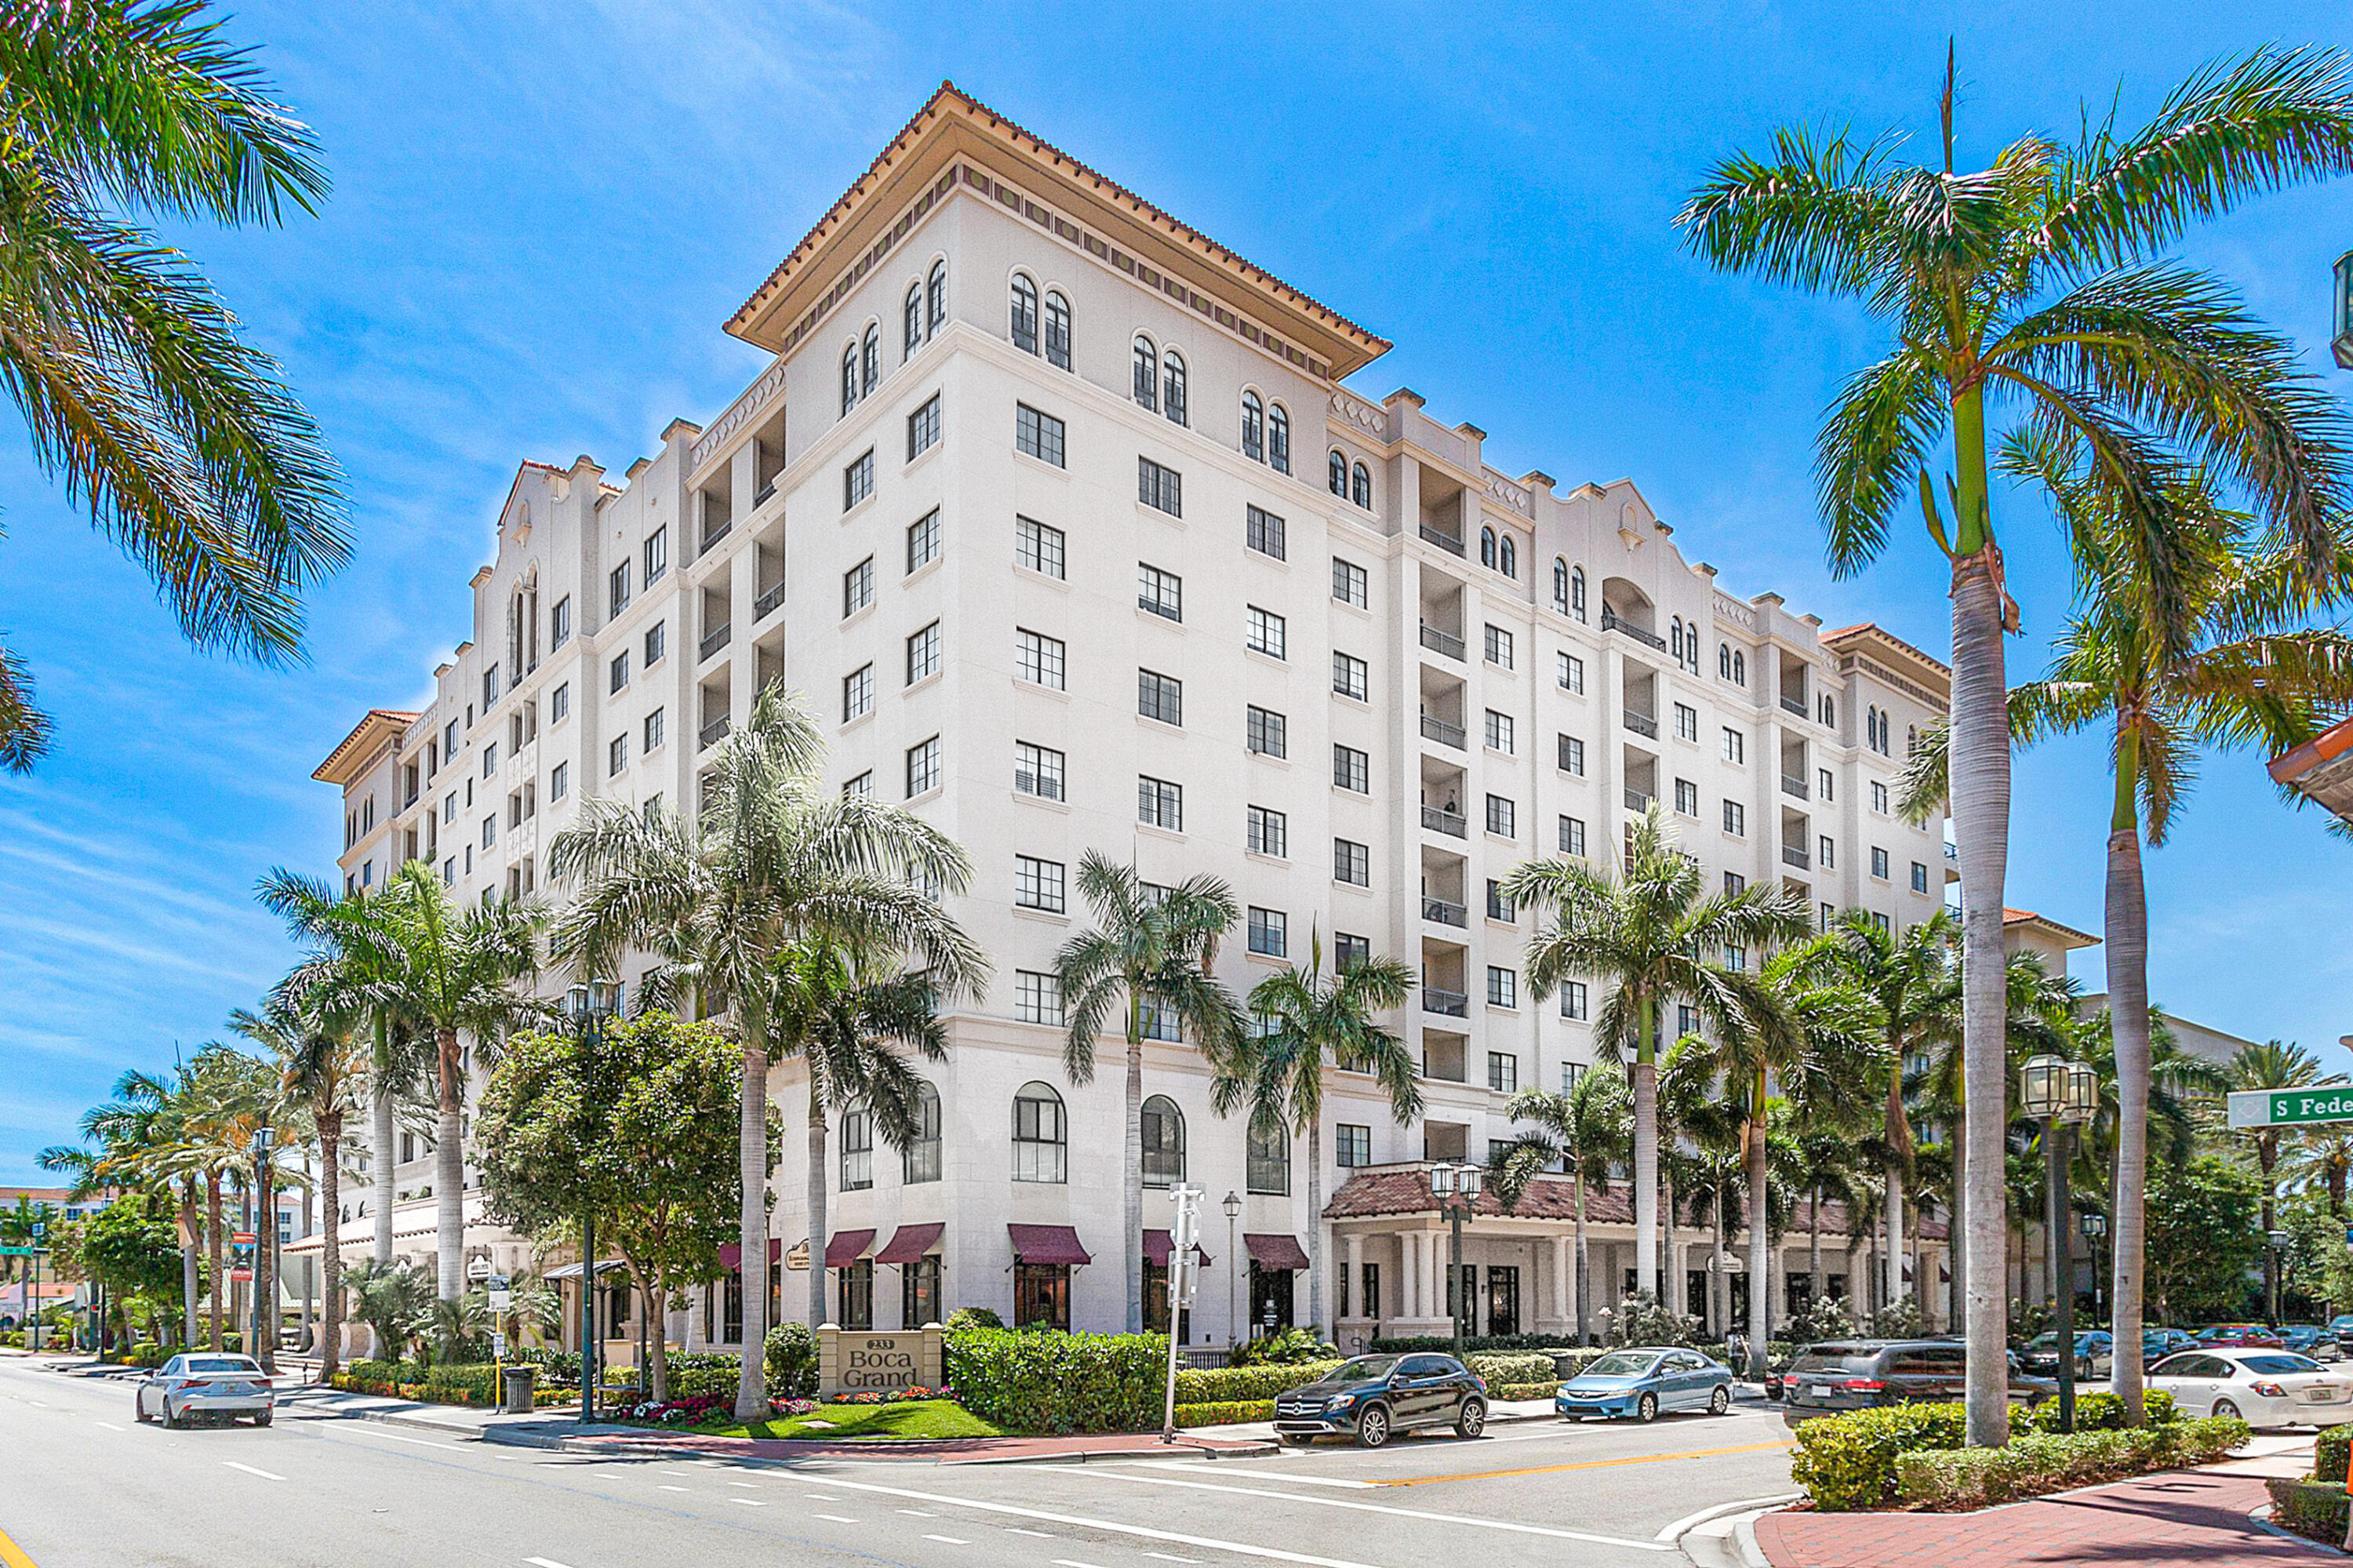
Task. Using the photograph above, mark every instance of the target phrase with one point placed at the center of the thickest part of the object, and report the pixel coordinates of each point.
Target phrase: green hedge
(1847, 1462)
(2040, 1462)
(1047, 1382)
(1543, 1390)
(1225, 1413)
(2329, 1451)
(1500, 1368)
(1221, 1385)
(2315, 1508)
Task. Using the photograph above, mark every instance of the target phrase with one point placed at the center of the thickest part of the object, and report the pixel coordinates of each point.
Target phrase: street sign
(498, 1347)
(241, 1238)
(242, 1276)
(2290, 1107)
(479, 1270)
(14, 1251)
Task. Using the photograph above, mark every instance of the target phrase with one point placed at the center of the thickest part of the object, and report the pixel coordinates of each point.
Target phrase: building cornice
(353, 754)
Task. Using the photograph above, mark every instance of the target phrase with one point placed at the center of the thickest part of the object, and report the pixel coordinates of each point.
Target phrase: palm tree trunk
(1672, 1292)
(192, 1242)
(1644, 1079)
(1956, 1226)
(1815, 1289)
(213, 1246)
(1760, 1294)
(380, 1178)
(331, 1255)
(1314, 1229)
(1895, 1223)
(265, 1279)
(1130, 1182)
(1719, 1280)
(816, 1191)
(751, 1231)
(449, 1170)
(1980, 795)
(1584, 1268)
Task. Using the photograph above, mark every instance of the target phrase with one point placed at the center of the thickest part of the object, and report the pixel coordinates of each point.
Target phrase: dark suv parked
(1857, 1374)
(1369, 1397)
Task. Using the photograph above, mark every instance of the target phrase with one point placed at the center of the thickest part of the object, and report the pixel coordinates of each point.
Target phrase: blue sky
(543, 212)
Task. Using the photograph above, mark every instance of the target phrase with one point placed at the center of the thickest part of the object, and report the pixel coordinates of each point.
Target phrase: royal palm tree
(136, 390)
(2037, 282)
(1306, 1021)
(773, 857)
(1654, 938)
(134, 1141)
(1151, 949)
(2273, 1064)
(1588, 1132)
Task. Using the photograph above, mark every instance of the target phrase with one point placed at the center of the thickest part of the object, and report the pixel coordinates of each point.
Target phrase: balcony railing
(1610, 622)
(1642, 724)
(716, 638)
(1445, 642)
(712, 535)
(766, 604)
(1451, 1003)
(1447, 542)
(760, 496)
(1444, 911)
(1793, 785)
(1793, 855)
(1637, 801)
(1795, 705)
(1953, 853)
(716, 730)
(1438, 729)
(1439, 820)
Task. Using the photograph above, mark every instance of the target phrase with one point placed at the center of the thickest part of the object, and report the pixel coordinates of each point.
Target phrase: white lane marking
(1703, 1515)
(670, 1488)
(819, 1496)
(1017, 1529)
(916, 1512)
(365, 1431)
(1195, 1466)
(1066, 1563)
(837, 1519)
(1503, 1524)
(745, 1485)
(950, 1539)
(1174, 1538)
(1167, 1557)
(106, 1425)
(544, 1562)
(748, 1502)
(250, 1470)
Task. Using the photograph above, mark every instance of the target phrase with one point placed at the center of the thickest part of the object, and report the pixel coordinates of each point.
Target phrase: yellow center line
(11, 1555)
(1586, 1465)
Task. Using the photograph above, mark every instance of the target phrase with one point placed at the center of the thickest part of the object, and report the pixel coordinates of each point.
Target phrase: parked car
(2155, 1344)
(2096, 1353)
(1858, 1375)
(1370, 1398)
(2267, 1387)
(205, 1384)
(1642, 1383)
(2301, 1338)
(2243, 1336)
(2340, 1328)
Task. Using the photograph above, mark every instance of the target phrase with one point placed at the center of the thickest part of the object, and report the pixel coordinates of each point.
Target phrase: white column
(1353, 1250)
(1410, 1258)
(1564, 1279)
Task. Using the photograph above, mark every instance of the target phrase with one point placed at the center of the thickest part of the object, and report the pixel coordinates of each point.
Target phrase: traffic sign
(2290, 1107)
(14, 1251)
(241, 1238)
(240, 1275)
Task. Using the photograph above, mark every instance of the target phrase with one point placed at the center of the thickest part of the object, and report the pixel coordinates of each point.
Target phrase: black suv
(1839, 1375)
(1369, 1397)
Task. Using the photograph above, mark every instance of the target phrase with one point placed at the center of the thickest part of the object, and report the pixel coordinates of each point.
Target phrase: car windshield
(1363, 1369)
(2044, 1342)
(221, 1364)
(1832, 1358)
(2279, 1364)
(1622, 1363)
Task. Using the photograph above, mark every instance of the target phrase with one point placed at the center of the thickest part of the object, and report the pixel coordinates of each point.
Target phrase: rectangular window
(1879, 923)
(1499, 647)
(1349, 584)
(857, 479)
(490, 687)
(1348, 950)
(1038, 546)
(559, 781)
(1158, 1022)
(1572, 999)
(857, 1175)
(1162, 489)
(489, 829)
(1351, 676)
(1352, 1145)
(1351, 769)
(923, 540)
(490, 767)
(1269, 833)
(1269, 932)
(1159, 696)
(1687, 1021)
(1262, 532)
(1038, 435)
(1826, 916)
(657, 555)
(1036, 997)
(1828, 849)
(1879, 797)
(1919, 877)
(1037, 658)
(450, 809)
(1735, 884)
(1037, 770)
(1037, 883)
(1686, 723)
(1822, 780)
(1352, 863)
(1267, 633)
(617, 673)
(923, 654)
(1572, 673)
(858, 587)
(1266, 732)
(1736, 957)
(862, 786)
(1504, 1069)
(1879, 863)
(1499, 731)
(857, 693)
(1736, 819)
(1735, 746)
(1502, 816)
(1160, 804)
(1686, 797)
(657, 643)
(1572, 755)
(1498, 906)
(559, 704)
(1502, 986)
(617, 755)
(1162, 593)
(1572, 835)
(559, 622)
(924, 428)
(616, 590)
(654, 730)
(923, 767)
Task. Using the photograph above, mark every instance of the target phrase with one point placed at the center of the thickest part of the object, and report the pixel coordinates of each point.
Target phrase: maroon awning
(1274, 1251)
(1159, 1245)
(731, 1253)
(848, 1246)
(1047, 1244)
(910, 1243)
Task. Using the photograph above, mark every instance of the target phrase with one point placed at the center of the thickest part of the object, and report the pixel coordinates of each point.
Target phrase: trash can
(516, 1383)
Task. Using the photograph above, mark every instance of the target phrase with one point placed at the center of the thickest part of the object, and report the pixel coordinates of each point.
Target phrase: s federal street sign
(2291, 1107)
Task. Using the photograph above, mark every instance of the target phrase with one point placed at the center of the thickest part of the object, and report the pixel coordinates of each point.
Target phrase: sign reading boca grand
(856, 1361)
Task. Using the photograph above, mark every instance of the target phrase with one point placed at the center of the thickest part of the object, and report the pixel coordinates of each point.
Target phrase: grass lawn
(865, 1423)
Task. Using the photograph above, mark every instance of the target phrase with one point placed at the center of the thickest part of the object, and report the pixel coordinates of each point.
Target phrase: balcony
(1610, 622)
(1443, 911)
(1446, 1066)
(715, 731)
(1794, 705)
(1446, 541)
(1439, 641)
(1642, 724)
(760, 496)
(1953, 853)
(1793, 785)
(716, 638)
(1438, 729)
(712, 535)
(1439, 820)
(1637, 801)
(768, 604)
(1449, 1003)
(1793, 855)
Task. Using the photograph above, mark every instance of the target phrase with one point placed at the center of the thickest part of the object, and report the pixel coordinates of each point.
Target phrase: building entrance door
(1502, 1299)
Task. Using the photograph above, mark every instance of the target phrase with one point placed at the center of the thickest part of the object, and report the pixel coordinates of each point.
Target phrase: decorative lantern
(2043, 1087)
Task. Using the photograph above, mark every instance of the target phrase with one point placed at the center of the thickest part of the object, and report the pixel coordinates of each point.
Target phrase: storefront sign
(856, 1362)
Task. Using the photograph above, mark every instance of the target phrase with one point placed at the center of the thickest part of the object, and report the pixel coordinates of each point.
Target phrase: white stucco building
(1060, 514)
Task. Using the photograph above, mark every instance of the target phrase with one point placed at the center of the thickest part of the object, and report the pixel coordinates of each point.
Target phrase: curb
(652, 1446)
(1727, 1541)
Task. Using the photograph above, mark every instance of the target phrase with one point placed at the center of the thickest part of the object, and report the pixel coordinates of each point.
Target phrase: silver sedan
(2265, 1387)
(206, 1384)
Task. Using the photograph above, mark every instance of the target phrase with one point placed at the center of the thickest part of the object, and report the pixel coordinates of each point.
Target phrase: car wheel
(1647, 1408)
(2224, 1407)
(1572, 1417)
(262, 1419)
(1373, 1426)
(1720, 1400)
(138, 1412)
(1472, 1418)
(1293, 1439)
(171, 1422)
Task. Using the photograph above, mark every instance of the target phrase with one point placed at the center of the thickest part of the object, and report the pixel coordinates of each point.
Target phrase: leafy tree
(2205, 1237)
(389, 1298)
(2273, 1066)
(131, 1248)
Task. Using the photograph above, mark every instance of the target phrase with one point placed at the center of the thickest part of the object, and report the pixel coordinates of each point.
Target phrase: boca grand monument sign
(855, 1361)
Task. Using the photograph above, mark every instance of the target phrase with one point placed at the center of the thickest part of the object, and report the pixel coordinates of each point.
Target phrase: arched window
(1164, 1142)
(1724, 661)
(1278, 439)
(935, 299)
(1057, 331)
(1911, 740)
(1577, 593)
(920, 1160)
(870, 362)
(850, 379)
(1253, 428)
(913, 323)
(1739, 668)
(1829, 707)
(1361, 487)
(1510, 554)
(1041, 1139)
(1339, 473)
(1487, 547)
(1676, 640)
(1024, 324)
(1560, 584)
(1147, 373)
(1267, 1165)
(1172, 382)
(857, 1149)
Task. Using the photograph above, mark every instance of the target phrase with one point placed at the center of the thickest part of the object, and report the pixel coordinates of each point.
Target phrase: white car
(2267, 1388)
(206, 1384)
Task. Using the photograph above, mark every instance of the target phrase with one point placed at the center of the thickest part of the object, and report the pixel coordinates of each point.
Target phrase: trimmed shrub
(2037, 1463)
(792, 1362)
(1500, 1368)
(2315, 1508)
(1847, 1462)
(1225, 1413)
(698, 1373)
(965, 1318)
(1289, 1347)
(1044, 1380)
(1221, 1385)
(1543, 1390)
(2329, 1451)
(2098, 1411)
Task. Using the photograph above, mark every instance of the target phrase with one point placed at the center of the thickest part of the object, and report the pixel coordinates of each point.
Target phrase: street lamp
(264, 1224)
(589, 1006)
(1233, 1208)
(2062, 1095)
(1457, 1188)
(2096, 1227)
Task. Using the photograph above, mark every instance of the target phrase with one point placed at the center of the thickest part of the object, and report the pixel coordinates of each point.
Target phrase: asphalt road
(81, 1485)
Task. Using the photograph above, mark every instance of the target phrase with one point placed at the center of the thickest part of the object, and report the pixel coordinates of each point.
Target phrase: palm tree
(2034, 280)
(1306, 1021)
(1653, 936)
(773, 857)
(1151, 948)
(2273, 1064)
(1588, 1132)
(138, 1136)
(390, 1297)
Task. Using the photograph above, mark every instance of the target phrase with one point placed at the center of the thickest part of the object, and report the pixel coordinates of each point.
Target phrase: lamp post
(1233, 1207)
(1457, 1186)
(264, 1341)
(2096, 1227)
(2279, 1242)
(587, 1006)
(2060, 1094)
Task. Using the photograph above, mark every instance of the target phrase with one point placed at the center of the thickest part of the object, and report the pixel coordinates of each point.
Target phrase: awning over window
(1047, 1244)
(731, 1253)
(848, 1246)
(1274, 1251)
(572, 1270)
(1159, 1245)
(911, 1242)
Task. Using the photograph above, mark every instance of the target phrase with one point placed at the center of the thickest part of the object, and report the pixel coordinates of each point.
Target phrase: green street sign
(13, 1251)
(2291, 1107)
